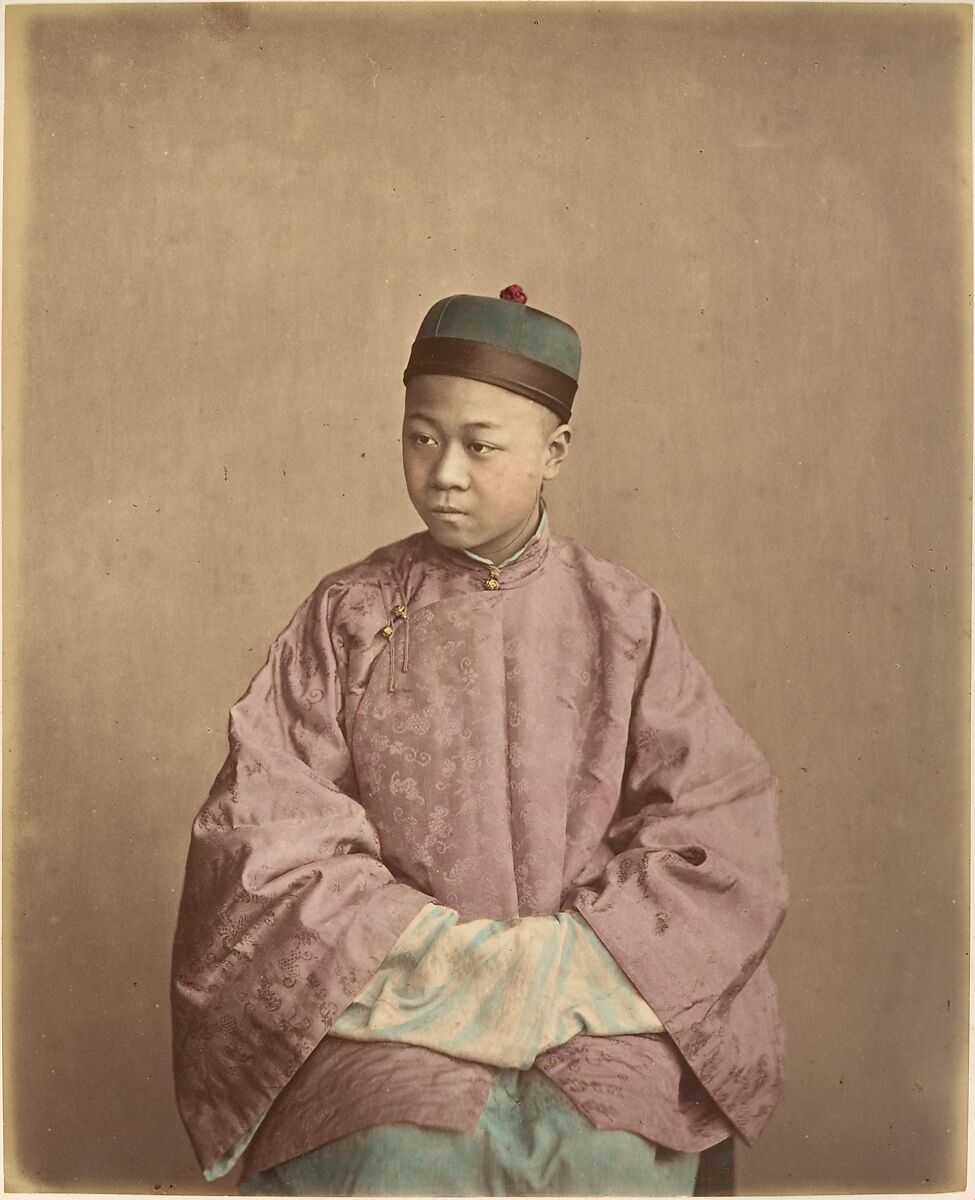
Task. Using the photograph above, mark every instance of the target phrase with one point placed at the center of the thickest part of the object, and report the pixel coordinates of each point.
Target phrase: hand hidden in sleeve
(496, 992)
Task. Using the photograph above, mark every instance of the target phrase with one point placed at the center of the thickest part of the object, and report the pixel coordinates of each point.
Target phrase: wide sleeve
(690, 891)
(287, 908)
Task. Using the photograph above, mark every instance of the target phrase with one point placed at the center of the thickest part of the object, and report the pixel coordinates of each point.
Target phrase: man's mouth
(446, 512)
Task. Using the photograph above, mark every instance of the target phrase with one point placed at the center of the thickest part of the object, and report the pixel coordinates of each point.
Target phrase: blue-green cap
(501, 341)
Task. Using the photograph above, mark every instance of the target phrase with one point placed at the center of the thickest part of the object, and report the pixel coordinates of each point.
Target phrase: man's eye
(421, 439)
(482, 448)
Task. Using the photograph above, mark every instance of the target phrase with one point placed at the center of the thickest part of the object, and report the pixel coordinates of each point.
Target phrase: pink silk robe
(546, 744)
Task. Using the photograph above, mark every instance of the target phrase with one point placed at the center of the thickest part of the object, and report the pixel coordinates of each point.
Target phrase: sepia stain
(225, 22)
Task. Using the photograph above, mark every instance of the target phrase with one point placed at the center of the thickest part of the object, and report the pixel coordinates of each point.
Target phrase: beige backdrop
(223, 226)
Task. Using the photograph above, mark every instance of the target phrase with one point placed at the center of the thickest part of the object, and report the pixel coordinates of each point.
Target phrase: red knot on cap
(514, 292)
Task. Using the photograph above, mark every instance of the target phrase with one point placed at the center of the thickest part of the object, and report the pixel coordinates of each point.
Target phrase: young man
(480, 900)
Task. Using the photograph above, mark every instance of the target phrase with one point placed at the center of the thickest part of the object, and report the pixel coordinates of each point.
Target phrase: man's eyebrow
(422, 416)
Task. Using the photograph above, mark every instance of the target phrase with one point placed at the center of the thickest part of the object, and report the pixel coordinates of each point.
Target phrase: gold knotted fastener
(491, 584)
(387, 631)
(400, 611)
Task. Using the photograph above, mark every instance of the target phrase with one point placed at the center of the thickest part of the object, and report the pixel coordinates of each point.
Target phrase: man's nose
(450, 470)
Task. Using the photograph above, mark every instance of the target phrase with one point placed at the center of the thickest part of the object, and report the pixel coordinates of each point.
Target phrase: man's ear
(556, 451)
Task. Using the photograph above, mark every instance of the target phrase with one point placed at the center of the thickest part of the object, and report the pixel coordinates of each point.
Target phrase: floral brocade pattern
(511, 752)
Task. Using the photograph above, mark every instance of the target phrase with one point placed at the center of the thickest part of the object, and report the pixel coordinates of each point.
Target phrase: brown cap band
(493, 364)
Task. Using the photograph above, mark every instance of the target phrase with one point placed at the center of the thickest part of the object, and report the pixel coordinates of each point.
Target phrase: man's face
(475, 457)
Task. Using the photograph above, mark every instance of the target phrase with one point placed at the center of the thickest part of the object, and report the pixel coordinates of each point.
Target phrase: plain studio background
(224, 224)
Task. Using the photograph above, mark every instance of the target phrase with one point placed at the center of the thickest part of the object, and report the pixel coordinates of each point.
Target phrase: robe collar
(514, 570)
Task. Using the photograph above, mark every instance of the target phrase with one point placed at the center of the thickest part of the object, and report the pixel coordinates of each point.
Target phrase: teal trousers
(531, 1140)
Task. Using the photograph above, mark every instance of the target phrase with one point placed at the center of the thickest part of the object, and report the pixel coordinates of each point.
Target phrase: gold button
(400, 611)
(491, 585)
(387, 631)
(495, 572)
